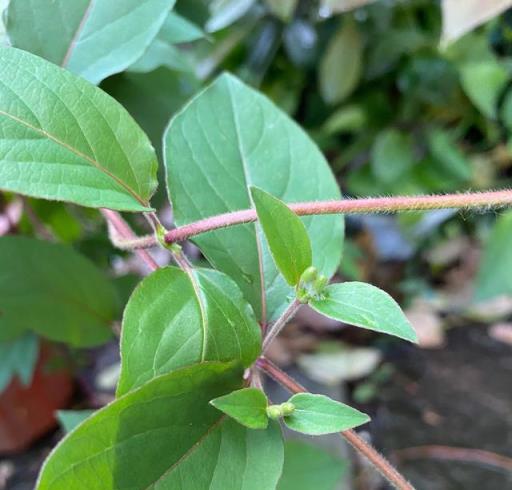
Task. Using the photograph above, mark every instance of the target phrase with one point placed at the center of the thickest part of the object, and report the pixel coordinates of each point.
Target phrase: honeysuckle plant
(258, 198)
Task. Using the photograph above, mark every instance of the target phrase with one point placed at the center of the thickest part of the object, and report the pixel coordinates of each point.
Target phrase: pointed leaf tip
(247, 406)
(366, 306)
(286, 235)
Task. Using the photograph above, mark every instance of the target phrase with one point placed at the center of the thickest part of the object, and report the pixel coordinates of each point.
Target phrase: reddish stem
(377, 459)
(124, 231)
(472, 200)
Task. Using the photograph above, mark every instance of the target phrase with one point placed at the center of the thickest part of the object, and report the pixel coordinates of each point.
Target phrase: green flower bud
(310, 274)
(320, 283)
(274, 412)
(287, 408)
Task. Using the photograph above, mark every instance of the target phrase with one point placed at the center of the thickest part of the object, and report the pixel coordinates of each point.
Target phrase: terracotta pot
(28, 412)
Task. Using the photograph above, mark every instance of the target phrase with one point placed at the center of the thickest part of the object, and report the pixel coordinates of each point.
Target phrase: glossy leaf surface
(247, 406)
(318, 414)
(165, 435)
(174, 319)
(92, 38)
(365, 306)
(63, 139)
(226, 140)
(286, 235)
(308, 466)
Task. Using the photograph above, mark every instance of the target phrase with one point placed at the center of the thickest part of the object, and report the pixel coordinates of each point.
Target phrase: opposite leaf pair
(303, 412)
(354, 303)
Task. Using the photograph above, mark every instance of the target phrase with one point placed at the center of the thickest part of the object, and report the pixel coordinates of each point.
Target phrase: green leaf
(318, 414)
(341, 66)
(177, 29)
(392, 155)
(226, 12)
(174, 319)
(444, 150)
(494, 278)
(284, 9)
(166, 435)
(227, 139)
(18, 357)
(161, 53)
(63, 139)
(152, 98)
(70, 419)
(286, 235)
(307, 466)
(247, 406)
(483, 83)
(366, 306)
(348, 119)
(54, 291)
(92, 39)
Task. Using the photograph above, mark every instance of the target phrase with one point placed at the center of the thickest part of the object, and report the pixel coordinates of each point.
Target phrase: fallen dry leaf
(345, 364)
(427, 323)
(502, 332)
(461, 16)
(492, 310)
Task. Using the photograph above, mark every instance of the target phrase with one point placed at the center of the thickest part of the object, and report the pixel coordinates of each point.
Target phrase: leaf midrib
(78, 153)
(248, 183)
(189, 451)
(78, 32)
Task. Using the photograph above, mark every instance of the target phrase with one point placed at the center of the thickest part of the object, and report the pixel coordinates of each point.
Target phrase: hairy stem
(118, 226)
(377, 459)
(279, 324)
(470, 200)
(130, 244)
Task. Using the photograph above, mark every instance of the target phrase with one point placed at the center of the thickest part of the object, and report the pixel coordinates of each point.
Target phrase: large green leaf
(318, 414)
(174, 319)
(61, 138)
(366, 306)
(54, 291)
(152, 98)
(165, 435)
(494, 276)
(307, 466)
(286, 235)
(93, 39)
(227, 139)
